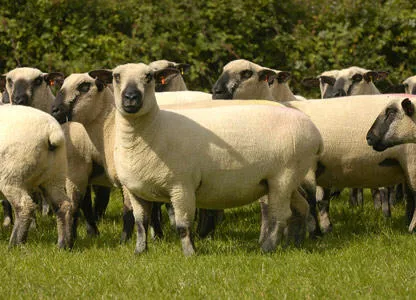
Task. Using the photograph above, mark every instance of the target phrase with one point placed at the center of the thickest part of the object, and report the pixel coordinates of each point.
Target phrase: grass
(366, 256)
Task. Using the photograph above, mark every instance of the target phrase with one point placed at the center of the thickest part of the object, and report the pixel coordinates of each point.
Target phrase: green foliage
(305, 37)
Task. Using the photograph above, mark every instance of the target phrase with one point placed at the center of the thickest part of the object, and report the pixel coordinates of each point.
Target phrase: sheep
(30, 86)
(410, 85)
(228, 84)
(242, 79)
(175, 81)
(205, 174)
(325, 81)
(280, 89)
(77, 101)
(33, 155)
(84, 162)
(169, 85)
(395, 125)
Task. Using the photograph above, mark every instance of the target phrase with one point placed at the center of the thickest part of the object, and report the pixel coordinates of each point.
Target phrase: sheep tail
(56, 137)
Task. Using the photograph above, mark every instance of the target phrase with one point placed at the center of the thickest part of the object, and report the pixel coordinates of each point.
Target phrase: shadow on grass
(237, 234)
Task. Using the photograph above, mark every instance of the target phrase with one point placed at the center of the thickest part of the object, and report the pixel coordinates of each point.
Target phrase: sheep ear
(105, 76)
(408, 107)
(311, 82)
(283, 76)
(370, 76)
(54, 78)
(381, 75)
(183, 68)
(5, 98)
(2, 83)
(163, 76)
(328, 80)
(267, 75)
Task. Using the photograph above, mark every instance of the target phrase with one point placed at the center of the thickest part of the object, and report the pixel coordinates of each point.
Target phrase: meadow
(366, 256)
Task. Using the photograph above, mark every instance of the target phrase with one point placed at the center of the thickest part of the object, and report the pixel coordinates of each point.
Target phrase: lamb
(175, 81)
(410, 85)
(33, 155)
(204, 175)
(228, 85)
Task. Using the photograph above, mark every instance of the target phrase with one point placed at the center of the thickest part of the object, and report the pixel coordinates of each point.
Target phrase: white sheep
(77, 101)
(30, 87)
(280, 88)
(173, 82)
(395, 125)
(325, 81)
(228, 84)
(410, 85)
(210, 158)
(33, 156)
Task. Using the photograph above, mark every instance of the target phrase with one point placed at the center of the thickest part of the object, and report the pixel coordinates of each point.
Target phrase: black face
(131, 99)
(414, 90)
(379, 129)
(60, 111)
(220, 89)
(338, 89)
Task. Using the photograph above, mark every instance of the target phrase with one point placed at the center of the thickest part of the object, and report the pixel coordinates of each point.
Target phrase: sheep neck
(137, 132)
(281, 92)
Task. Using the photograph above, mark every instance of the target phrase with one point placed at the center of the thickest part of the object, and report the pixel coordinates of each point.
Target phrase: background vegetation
(305, 37)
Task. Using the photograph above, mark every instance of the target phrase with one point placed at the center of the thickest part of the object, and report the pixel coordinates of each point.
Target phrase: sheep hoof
(7, 222)
(92, 230)
(140, 248)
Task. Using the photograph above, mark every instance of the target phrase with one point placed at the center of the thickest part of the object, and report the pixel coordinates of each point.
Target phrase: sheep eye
(246, 74)
(38, 81)
(149, 77)
(9, 81)
(357, 77)
(117, 78)
(84, 87)
(390, 112)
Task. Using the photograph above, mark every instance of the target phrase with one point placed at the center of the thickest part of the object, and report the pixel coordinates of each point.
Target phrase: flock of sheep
(138, 128)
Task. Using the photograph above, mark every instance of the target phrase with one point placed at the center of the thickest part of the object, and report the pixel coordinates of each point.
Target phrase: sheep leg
(297, 222)
(8, 213)
(399, 193)
(156, 221)
(171, 214)
(64, 212)
(323, 206)
(279, 212)
(183, 201)
(353, 197)
(128, 217)
(392, 195)
(385, 204)
(410, 207)
(375, 193)
(313, 221)
(141, 211)
(86, 207)
(102, 197)
(24, 208)
(264, 219)
(207, 221)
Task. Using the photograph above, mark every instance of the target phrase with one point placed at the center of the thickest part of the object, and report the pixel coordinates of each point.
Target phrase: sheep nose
(132, 95)
(371, 138)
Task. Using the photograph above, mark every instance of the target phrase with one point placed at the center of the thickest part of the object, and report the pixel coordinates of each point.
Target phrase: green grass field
(366, 256)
